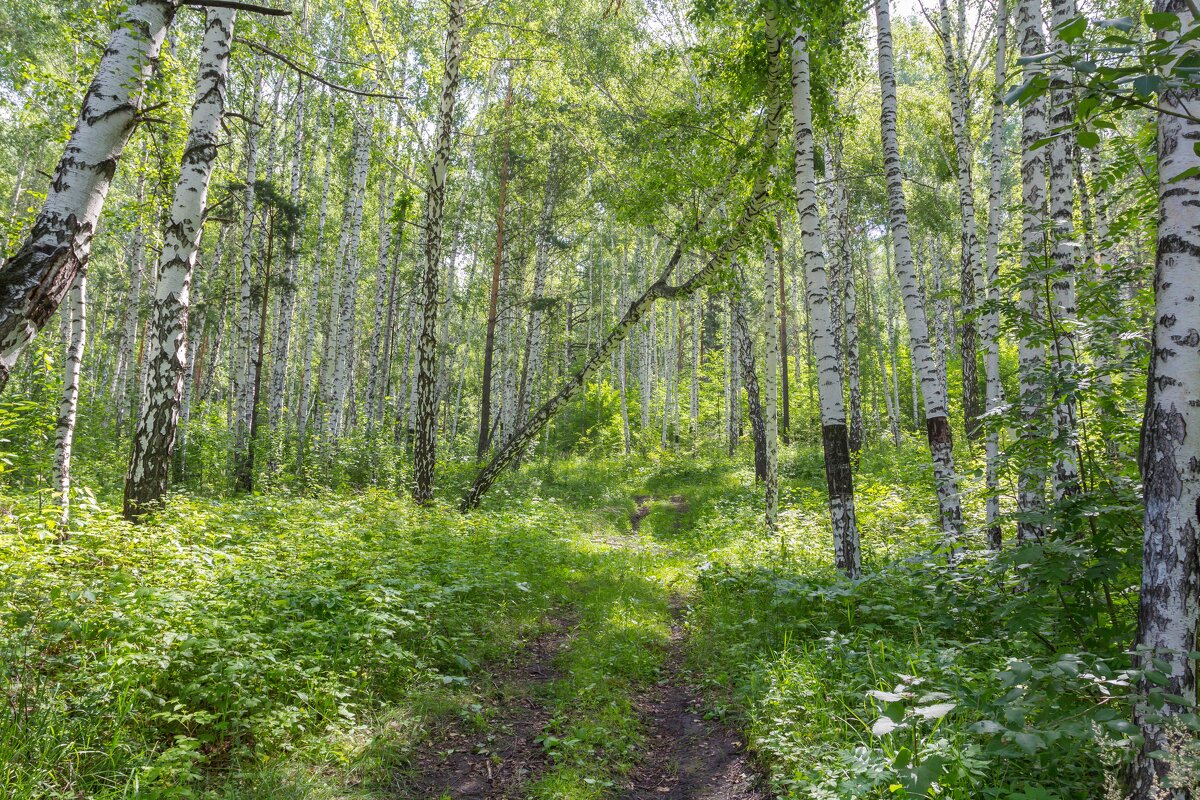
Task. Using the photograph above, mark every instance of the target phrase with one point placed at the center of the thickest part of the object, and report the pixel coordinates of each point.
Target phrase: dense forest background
(835, 365)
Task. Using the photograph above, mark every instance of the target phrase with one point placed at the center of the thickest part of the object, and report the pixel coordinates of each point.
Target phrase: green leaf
(1072, 29)
(1162, 21)
(1088, 139)
(1146, 85)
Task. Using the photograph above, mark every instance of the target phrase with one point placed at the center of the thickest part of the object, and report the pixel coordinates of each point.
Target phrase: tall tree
(34, 281)
(424, 455)
(1169, 605)
(937, 420)
(154, 437)
(839, 477)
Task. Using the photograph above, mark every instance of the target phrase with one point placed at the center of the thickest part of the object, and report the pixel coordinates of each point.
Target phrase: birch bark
(941, 444)
(40, 274)
(424, 455)
(1030, 353)
(1169, 605)
(166, 346)
(64, 437)
(834, 433)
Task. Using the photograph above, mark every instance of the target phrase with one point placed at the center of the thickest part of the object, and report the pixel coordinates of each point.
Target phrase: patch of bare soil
(640, 513)
(493, 762)
(688, 757)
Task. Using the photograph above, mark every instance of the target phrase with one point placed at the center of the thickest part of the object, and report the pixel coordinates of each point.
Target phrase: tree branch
(250, 7)
(307, 73)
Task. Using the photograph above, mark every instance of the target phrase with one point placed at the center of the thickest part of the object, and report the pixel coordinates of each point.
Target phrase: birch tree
(941, 443)
(75, 327)
(34, 281)
(839, 477)
(424, 454)
(166, 350)
(1169, 604)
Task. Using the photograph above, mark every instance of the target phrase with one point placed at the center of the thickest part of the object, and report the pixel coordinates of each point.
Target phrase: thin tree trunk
(343, 361)
(424, 456)
(287, 293)
(153, 440)
(771, 387)
(990, 328)
(1063, 247)
(969, 269)
(64, 439)
(535, 335)
(1030, 354)
(834, 434)
(314, 283)
(941, 443)
(749, 375)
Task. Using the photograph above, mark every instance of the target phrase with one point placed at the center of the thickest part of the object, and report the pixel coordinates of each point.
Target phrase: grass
(302, 647)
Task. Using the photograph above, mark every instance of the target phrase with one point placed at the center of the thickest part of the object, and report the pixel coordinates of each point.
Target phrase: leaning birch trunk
(424, 455)
(990, 328)
(1169, 606)
(166, 345)
(759, 196)
(535, 334)
(1030, 354)
(941, 443)
(839, 476)
(281, 346)
(1061, 198)
(771, 387)
(36, 279)
(969, 269)
(64, 438)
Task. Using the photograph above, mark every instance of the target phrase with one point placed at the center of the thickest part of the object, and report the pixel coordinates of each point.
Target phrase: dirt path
(688, 757)
(495, 761)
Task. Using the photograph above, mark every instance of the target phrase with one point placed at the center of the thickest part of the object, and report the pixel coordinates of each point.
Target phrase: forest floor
(602, 629)
(502, 748)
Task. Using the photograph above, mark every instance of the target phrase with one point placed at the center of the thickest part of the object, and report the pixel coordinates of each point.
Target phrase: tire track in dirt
(497, 762)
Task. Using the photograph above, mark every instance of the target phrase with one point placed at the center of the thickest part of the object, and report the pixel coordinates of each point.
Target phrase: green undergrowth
(302, 647)
(281, 646)
(1001, 677)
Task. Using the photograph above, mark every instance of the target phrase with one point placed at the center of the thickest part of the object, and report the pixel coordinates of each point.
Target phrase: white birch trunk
(36, 279)
(1063, 248)
(990, 327)
(166, 342)
(314, 283)
(282, 344)
(64, 436)
(535, 335)
(424, 453)
(771, 386)
(834, 435)
(941, 445)
(1030, 354)
(1170, 597)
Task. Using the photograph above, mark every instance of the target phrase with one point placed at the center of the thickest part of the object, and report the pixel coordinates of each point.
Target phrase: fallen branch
(659, 289)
